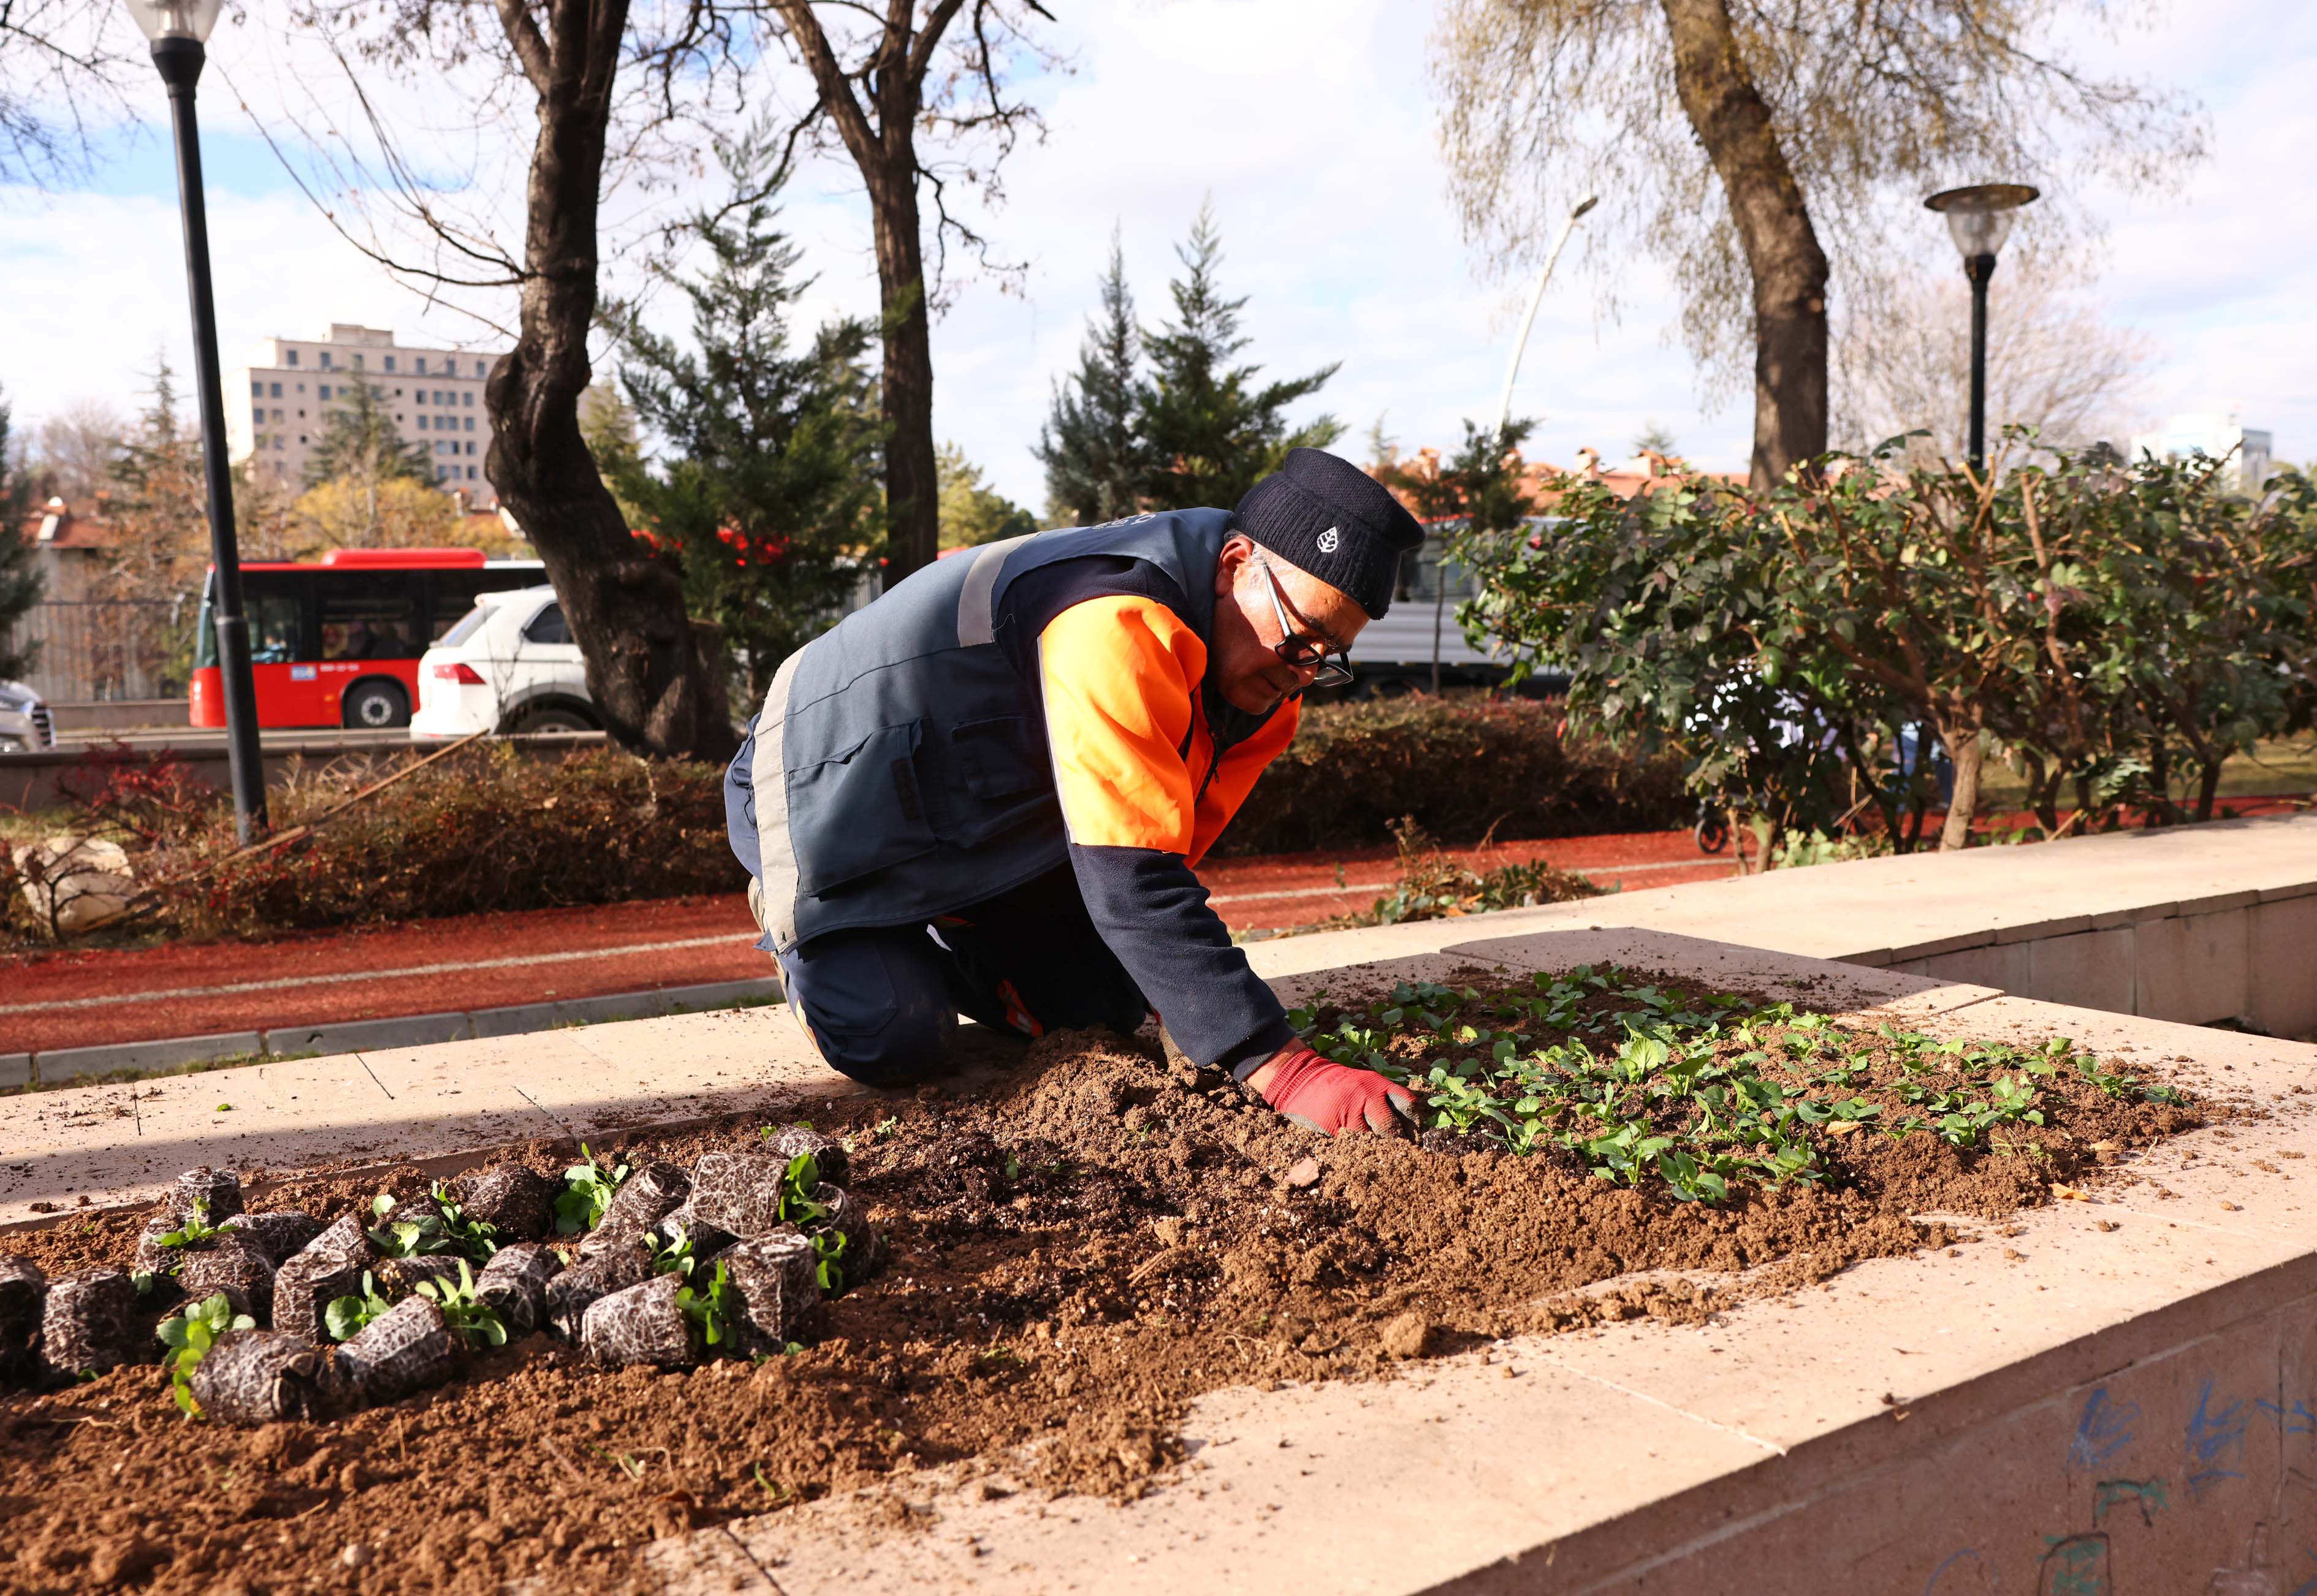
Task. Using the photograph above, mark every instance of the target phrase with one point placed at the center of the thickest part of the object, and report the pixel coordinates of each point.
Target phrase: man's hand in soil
(1332, 1098)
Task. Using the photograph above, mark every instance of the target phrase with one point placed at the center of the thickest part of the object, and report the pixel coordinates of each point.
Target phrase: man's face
(1252, 589)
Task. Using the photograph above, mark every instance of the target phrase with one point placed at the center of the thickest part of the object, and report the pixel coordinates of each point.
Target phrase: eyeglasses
(1303, 652)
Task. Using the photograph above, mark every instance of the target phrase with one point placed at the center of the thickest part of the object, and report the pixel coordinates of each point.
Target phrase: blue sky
(1317, 147)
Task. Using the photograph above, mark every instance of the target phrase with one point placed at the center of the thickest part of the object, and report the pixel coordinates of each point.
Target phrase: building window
(301, 437)
(256, 390)
(277, 390)
(358, 362)
(471, 398)
(470, 423)
(291, 359)
(326, 360)
(442, 473)
(326, 390)
(390, 363)
(470, 473)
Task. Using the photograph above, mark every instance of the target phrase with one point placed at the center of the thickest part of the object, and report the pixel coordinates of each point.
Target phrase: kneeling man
(985, 792)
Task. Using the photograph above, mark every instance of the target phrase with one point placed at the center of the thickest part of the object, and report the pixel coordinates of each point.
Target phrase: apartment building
(276, 407)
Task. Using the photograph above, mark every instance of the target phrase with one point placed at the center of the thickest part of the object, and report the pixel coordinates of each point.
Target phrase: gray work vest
(900, 769)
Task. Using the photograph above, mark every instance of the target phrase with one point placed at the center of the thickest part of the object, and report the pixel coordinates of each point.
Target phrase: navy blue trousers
(883, 1002)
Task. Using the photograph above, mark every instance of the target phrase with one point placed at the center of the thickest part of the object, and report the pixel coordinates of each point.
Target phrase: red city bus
(337, 643)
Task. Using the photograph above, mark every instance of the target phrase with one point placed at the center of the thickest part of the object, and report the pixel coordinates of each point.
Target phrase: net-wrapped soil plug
(640, 1324)
(516, 1202)
(778, 1294)
(704, 1238)
(277, 1234)
(407, 1350)
(571, 1294)
(261, 1376)
(219, 1191)
(22, 1289)
(793, 1141)
(88, 1323)
(864, 1253)
(317, 1274)
(739, 1193)
(152, 1257)
(515, 1283)
(649, 1195)
(236, 1265)
(399, 1277)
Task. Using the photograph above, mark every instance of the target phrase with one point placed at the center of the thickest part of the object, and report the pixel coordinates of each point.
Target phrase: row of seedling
(281, 1316)
(1697, 1093)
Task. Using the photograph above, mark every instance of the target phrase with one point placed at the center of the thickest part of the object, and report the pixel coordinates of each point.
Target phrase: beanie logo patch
(1330, 539)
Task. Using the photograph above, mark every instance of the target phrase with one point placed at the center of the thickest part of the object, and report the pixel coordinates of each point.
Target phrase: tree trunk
(657, 678)
(2208, 785)
(1962, 746)
(912, 492)
(1774, 228)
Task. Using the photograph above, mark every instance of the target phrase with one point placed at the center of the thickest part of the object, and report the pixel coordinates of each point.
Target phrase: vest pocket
(1001, 766)
(861, 812)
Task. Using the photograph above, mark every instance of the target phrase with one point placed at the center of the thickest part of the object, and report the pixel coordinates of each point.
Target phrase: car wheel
(374, 707)
(554, 718)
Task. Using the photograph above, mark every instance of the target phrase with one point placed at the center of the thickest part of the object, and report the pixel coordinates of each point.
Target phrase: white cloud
(1317, 143)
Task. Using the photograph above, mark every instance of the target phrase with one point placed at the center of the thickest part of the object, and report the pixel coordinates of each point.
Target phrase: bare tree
(881, 87)
(73, 451)
(1902, 362)
(612, 94)
(63, 65)
(1813, 118)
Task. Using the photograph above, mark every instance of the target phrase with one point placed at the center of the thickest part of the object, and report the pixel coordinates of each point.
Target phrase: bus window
(276, 625)
(371, 616)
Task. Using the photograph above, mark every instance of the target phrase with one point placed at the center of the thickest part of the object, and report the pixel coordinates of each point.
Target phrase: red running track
(89, 996)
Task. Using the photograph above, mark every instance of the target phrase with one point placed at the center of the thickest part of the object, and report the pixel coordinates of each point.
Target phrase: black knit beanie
(1326, 516)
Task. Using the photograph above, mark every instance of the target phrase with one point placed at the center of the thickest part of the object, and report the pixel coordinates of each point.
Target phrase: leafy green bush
(2116, 632)
(1460, 767)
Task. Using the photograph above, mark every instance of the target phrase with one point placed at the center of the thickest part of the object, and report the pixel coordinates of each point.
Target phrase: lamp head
(1980, 218)
(176, 19)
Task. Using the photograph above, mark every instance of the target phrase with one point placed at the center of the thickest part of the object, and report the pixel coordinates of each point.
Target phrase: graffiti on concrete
(2147, 1495)
(2073, 1565)
(2296, 1420)
(2214, 1437)
(2105, 1429)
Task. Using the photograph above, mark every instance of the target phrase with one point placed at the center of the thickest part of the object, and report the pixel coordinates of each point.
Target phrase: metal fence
(88, 650)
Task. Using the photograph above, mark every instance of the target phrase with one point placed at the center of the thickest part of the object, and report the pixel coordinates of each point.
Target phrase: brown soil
(1077, 1251)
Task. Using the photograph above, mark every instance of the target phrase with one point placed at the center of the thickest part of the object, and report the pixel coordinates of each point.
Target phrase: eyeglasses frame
(1333, 665)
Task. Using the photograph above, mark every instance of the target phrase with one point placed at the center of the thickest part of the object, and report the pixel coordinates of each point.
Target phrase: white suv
(25, 726)
(509, 665)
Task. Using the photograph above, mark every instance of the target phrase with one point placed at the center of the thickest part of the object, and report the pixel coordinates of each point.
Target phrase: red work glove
(1334, 1097)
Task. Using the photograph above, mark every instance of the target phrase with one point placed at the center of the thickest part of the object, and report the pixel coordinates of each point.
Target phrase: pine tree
(363, 449)
(768, 496)
(971, 512)
(1090, 446)
(20, 578)
(1211, 430)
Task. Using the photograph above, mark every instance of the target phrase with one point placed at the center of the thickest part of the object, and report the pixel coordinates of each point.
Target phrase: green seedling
(189, 1336)
(469, 1316)
(346, 1316)
(588, 1189)
(471, 1238)
(712, 1307)
(195, 1232)
(799, 1208)
(409, 1232)
(677, 1253)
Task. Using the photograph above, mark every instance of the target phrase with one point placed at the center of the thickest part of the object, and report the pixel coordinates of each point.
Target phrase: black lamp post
(178, 30)
(1977, 218)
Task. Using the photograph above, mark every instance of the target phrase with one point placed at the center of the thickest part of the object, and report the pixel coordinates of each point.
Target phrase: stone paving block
(2192, 969)
(360, 1036)
(15, 1069)
(2281, 955)
(66, 1064)
(2091, 969)
(720, 994)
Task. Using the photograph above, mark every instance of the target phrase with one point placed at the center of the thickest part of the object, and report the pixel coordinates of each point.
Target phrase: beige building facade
(277, 404)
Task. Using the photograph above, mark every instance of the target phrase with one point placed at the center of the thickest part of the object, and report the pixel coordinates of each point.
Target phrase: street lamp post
(179, 30)
(1979, 219)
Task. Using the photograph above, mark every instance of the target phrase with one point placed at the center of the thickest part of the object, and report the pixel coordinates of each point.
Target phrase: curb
(60, 1066)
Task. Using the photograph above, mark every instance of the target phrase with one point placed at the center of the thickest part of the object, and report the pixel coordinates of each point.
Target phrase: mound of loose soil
(1075, 1253)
